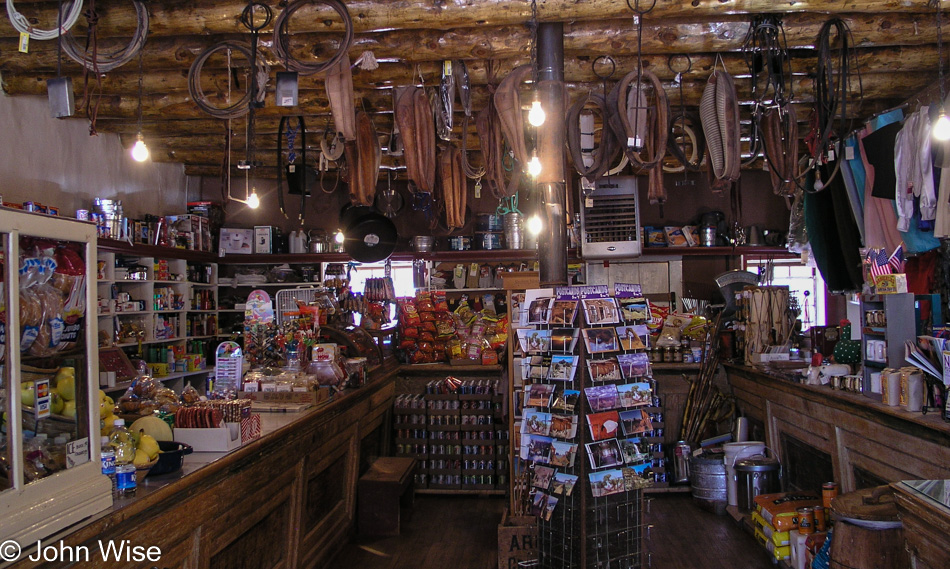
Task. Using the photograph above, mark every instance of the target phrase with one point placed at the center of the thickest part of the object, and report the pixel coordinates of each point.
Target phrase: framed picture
(563, 426)
(562, 368)
(563, 312)
(603, 454)
(600, 340)
(603, 425)
(635, 394)
(600, 311)
(635, 422)
(563, 483)
(566, 400)
(606, 482)
(543, 475)
(631, 338)
(536, 422)
(602, 397)
(562, 454)
(604, 370)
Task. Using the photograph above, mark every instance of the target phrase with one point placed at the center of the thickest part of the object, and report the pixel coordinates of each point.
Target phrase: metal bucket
(707, 478)
(756, 475)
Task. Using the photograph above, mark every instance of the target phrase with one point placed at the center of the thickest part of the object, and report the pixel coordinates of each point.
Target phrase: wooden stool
(385, 487)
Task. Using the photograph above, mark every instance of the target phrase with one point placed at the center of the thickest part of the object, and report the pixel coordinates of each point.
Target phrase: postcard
(566, 400)
(549, 508)
(602, 397)
(539, 501)
(543, 475)
(536, 448)
(603, 425)
(635, 422)
(563, 426)
(563, 483)
(603, 454)
(537, 306)
(564, 339)
(633, 451)
(635, 394)
(562, 368)
(633, 310)
(539, 394)
(604, 370)
(536, 422)
(634, 365)
(533, 341)
(600, 340)
(631, 337)
(563, 312)
(600, 311)
(562, 454)
(606, 482)
(534, 367)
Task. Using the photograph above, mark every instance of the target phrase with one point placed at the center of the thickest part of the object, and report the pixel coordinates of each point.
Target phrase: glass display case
(50, 474)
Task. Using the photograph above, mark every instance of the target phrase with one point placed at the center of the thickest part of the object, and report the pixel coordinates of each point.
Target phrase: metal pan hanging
(369, 237)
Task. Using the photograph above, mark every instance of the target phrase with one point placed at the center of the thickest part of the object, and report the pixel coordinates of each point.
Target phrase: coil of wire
(282, 37)
(105, 62)
(240, 107)
(23, 25)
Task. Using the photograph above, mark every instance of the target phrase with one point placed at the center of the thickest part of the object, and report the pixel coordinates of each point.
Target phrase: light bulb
(139, 150)
(536, 114)
(535, 225)
(534, 166)
(941, 128)
(339, 236)
(253, 201)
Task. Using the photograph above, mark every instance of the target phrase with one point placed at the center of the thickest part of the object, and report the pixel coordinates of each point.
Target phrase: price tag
(588, 202)
(478, 188)
(24, 45)
(849, 153)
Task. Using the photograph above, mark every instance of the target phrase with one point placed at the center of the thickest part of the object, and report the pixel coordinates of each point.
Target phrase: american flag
(877, 260)
(897, 259)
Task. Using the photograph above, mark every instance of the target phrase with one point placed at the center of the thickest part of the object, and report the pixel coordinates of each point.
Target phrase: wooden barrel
(868, 533)
(707, 479)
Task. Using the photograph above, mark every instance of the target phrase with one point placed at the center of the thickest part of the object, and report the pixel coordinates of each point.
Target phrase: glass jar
(669, 354)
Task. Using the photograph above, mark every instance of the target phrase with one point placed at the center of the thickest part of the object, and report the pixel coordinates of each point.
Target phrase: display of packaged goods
(781, 509)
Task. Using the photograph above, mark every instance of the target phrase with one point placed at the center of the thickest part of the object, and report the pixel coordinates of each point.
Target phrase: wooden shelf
(446, 368)
(715, 251)
(140, 250)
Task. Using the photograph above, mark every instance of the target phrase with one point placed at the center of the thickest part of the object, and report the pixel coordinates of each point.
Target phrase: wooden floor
(461, 533)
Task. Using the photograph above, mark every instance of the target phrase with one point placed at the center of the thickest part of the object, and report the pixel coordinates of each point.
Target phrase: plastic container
(107, 458)
(121, 441)
(735, 452)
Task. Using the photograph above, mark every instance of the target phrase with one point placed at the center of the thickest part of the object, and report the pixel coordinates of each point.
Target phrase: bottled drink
(108, 461)
(121, 441)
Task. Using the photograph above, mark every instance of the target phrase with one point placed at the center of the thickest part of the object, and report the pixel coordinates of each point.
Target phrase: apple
(56, 404)
(69, 409)
(66, 383)
(27, 393)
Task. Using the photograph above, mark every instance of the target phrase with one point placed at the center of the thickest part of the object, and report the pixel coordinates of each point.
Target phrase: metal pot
(422, 243)
(756, 475)
(318, 246)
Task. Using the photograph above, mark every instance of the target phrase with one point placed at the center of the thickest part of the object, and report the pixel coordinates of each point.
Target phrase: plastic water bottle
(121, 441)
(108, 461)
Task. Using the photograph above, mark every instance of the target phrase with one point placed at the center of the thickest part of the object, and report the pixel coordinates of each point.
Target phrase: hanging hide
(454, 185)
(590, 162)
(632, 118)
(719, 110)
(413, 114)
(339, 85)
(369, 157)
(508, 105)
(780, 130)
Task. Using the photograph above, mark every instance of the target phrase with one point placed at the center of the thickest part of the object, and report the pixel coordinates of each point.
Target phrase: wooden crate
(517, 540)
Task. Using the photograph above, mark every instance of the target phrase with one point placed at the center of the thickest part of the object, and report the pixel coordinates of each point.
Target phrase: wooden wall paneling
(673, 389)
(253, 532)
(888, 456)
(328, 499)
(925, 529)
(750, 402)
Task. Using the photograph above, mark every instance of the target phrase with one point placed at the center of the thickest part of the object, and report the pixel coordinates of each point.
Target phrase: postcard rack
(585, 423)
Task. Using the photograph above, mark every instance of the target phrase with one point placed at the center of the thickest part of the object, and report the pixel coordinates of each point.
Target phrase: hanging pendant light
(139, 149)
(536, 115)
(534, 165)
(253, 201)
(941, 127)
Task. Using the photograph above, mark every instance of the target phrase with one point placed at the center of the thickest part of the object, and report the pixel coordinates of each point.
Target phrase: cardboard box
(222, 439)
(517, 540)
(890, 284)
(235, 241)
(263, 242)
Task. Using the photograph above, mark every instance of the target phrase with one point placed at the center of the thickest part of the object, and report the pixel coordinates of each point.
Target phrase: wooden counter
(823, 434)
(286, 500)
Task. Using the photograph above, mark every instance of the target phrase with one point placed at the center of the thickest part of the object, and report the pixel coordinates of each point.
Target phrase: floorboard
(460, 532)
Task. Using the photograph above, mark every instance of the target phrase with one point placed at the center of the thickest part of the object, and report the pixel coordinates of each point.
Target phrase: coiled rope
(22, 25)
(282, 37)
(105, 62)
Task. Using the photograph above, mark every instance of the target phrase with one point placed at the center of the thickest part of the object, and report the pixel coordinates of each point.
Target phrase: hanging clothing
(880, 217)
(879, 148)
(914, 171)
(832, 233)
(855, 195)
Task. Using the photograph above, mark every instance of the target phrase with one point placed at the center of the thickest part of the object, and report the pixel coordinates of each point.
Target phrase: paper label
(24, 45)
(77, 452)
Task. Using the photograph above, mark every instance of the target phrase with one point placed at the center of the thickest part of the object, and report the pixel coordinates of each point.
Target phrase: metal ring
(689, 63)
(607, 59)
(247, 16)
(237, 109)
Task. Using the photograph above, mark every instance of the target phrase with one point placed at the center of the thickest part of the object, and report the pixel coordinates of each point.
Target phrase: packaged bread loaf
(70, 279)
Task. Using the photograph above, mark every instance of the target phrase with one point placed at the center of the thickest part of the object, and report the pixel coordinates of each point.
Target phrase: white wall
(56, 162)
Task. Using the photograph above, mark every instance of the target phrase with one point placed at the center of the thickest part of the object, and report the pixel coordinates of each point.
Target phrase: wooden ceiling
(896, 42)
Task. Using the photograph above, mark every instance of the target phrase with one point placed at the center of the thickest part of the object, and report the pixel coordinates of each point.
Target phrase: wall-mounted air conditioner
(610, 220)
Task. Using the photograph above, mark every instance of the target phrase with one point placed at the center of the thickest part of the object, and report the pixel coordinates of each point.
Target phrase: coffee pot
(297, 241)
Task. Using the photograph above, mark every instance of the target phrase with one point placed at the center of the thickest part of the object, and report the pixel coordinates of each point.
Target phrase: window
(401, 274)
(804, 283)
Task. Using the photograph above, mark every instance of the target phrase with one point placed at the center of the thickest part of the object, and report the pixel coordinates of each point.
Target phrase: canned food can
(821, 520)
(829, 490)
(82, 214)
(806, 520)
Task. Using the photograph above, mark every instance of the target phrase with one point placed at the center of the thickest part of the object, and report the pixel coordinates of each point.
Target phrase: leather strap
(508, 106)
(453, 184)
(780, 131)
(413, 114)
(339, 85)
(604, 154)
(625, 117)
(369, 157)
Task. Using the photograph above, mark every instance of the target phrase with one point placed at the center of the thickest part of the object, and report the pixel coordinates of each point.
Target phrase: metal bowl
(422, 243)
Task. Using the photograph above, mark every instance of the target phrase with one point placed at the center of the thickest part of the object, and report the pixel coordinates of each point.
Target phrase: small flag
(879, 263)
(897, 259)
